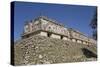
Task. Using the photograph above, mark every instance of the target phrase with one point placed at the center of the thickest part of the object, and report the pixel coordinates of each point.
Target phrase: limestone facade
(46, 27)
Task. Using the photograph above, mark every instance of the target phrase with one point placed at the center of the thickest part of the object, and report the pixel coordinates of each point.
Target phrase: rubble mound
(45, 50)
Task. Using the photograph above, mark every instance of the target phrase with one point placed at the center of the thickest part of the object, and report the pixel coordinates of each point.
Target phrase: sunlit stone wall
(50, 28)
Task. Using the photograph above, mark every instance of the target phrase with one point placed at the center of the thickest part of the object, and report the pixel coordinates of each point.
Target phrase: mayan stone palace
(50, 28)
(45, 41)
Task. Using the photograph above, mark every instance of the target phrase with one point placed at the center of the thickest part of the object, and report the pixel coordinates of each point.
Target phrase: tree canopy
(93, 25)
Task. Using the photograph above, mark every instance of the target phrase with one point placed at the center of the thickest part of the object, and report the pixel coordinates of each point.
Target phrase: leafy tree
(93, 25)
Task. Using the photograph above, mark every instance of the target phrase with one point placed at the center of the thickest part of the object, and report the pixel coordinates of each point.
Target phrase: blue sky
(72, 16)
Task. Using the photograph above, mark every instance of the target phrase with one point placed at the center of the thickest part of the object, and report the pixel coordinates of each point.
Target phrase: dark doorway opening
(88, 53)
(49, 34)
(61, 37)
(27, 36)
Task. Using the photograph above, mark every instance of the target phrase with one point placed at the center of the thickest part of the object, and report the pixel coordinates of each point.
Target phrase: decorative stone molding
(51, 28)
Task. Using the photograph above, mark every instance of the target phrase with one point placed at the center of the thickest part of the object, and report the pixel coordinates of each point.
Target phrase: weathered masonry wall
(55, 36)
(46, 25)
(32, 27)
(78, 35)
(50, 28)
(52, 35)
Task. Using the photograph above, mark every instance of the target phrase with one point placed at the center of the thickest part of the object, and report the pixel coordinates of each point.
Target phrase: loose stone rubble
(44, 50)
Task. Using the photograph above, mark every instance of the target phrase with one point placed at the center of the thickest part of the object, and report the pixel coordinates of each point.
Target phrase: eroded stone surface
(45, 50)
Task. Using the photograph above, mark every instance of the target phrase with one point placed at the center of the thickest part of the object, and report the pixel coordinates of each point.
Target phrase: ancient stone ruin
(44, 41)
(46, 27)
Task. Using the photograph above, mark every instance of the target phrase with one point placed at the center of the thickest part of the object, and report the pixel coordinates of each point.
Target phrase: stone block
(43, 33)
(65, 38)
(84, 42)
(79, 41)
(55, 36)
(73, 40)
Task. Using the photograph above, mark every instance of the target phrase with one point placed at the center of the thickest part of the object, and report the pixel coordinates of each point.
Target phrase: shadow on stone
(88, 53)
